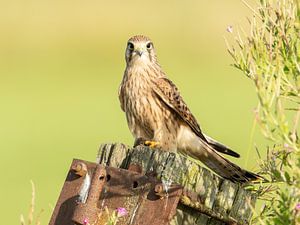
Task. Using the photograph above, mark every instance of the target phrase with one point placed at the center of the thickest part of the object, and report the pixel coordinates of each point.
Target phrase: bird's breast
(139, 105)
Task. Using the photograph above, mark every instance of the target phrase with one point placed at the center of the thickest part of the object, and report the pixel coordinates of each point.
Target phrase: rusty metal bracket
(92, 193)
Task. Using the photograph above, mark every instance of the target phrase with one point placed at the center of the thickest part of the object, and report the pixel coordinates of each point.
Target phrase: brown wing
(221, 147)
(169, 94)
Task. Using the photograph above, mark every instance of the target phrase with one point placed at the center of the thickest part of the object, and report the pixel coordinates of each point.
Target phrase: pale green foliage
(269, 55)
(112, 217)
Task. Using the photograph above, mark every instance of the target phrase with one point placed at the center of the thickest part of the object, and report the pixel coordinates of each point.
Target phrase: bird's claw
(151, 144)
(142, 141)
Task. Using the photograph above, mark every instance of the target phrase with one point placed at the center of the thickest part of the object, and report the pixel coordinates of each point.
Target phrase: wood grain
(214, 201)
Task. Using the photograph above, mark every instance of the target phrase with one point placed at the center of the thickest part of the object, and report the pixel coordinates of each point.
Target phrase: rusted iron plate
(91, 194)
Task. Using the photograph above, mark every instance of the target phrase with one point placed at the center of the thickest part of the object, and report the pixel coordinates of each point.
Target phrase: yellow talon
(152, 144)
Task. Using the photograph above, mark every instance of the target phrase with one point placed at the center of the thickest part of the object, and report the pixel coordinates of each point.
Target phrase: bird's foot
(151, 144)
(142, 141)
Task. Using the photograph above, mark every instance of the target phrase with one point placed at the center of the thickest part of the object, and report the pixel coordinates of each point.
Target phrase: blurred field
(61, 63)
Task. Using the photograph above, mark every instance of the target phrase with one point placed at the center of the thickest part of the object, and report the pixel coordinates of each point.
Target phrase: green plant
(269, 55)
(110, 217)
(115, 215)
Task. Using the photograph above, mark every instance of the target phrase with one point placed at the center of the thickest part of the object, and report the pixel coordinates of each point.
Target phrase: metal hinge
(92, 193)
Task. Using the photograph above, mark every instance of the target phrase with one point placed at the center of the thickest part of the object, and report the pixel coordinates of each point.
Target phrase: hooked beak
(139, 52)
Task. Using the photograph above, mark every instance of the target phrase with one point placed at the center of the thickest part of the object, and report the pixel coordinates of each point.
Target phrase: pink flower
(229, 29)
(297, 207)
(121, 211)
(86, 221)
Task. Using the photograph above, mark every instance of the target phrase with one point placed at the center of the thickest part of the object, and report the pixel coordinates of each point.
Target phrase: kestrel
(158, 116)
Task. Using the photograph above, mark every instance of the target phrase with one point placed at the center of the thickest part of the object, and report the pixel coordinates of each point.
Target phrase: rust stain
(92, 193)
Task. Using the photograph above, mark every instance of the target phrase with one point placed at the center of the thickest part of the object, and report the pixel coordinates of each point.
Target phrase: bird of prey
(158, 116)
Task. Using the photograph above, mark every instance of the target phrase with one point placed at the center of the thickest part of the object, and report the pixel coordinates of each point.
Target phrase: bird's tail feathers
(224, 167)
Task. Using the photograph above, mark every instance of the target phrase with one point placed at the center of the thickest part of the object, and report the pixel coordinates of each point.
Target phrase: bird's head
(140, 50)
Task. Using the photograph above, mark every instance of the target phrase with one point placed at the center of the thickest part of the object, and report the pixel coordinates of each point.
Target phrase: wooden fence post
(207, 200)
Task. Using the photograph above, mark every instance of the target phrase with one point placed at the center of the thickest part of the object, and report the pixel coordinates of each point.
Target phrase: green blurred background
(61, 63)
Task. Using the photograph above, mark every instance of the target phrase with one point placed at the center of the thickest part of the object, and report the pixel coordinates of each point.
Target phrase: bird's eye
(130, 46)
(149, 45)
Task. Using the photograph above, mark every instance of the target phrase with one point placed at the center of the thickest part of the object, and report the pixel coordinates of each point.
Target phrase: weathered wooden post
(155, 187)
(206, 200)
